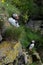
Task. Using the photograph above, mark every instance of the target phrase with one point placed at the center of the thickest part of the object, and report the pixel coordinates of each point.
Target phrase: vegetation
(25, 9)
(12, 33)
(30, 35)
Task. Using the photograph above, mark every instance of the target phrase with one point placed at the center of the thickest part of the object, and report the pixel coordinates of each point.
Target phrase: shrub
(12, 33)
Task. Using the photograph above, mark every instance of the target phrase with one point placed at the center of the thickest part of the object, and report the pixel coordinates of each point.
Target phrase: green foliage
(9, 8)
(12, 33)
(28, 35)
(26, 7)
(23, 39)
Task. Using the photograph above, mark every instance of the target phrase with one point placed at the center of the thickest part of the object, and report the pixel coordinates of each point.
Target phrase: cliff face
(36, 25)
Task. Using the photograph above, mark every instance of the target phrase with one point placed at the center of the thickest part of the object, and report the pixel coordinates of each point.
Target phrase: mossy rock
(9, 51)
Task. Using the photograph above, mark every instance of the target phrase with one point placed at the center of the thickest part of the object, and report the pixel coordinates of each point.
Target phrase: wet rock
(0, 38)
